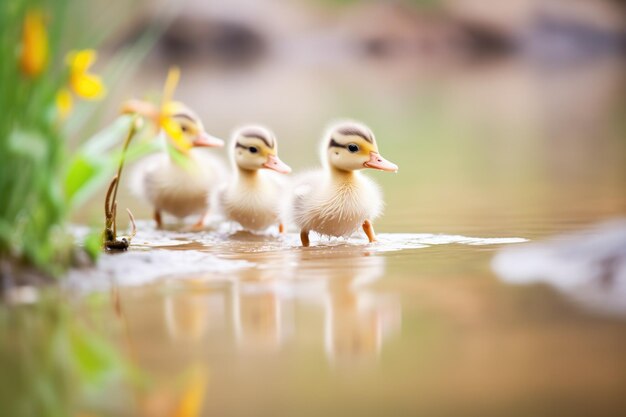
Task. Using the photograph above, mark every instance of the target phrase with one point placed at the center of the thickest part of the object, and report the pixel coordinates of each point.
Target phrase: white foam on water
(156, 254)
(141, 267)
(400, 241)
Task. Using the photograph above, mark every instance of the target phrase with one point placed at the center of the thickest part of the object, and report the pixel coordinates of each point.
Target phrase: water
(418, 324)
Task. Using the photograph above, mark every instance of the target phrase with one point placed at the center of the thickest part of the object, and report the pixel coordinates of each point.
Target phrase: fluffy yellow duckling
(337, 200)
(255, 196)
(181, 189)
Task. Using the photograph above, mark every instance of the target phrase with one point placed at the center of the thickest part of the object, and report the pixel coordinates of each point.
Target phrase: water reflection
(358, 321)
(258, 318)
(190, 315)
(260, 305)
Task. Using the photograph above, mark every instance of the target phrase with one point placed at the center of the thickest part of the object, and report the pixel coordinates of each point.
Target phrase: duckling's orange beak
(273, 162)
(378, 162)
(206, 140)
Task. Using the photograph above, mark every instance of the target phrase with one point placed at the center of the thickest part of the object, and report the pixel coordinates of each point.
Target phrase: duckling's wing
(302, 191)
(304, 184)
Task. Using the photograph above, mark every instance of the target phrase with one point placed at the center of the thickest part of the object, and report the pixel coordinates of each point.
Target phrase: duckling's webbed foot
(304, 237)
(281, 228)
(369, 231)
(158, 219)
(199, 225)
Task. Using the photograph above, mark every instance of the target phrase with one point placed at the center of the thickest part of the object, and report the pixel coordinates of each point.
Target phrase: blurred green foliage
(31, 149)
(51, 360)
(88, 171)
(40, 183)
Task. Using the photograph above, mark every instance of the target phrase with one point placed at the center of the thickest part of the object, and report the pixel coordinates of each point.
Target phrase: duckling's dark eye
(184, 128)
(353, 147)
(253, 149)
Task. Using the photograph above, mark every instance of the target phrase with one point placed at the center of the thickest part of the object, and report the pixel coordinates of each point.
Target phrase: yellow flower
(163, 115)
(168, 109)
(84, 84)
(190, 404)
(34, 54)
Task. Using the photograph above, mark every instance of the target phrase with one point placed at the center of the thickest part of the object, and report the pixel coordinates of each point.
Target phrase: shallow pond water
(249, 325)
(422, 323)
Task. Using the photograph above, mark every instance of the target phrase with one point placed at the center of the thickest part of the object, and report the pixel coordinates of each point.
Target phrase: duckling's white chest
(255, 205)
(339, 208)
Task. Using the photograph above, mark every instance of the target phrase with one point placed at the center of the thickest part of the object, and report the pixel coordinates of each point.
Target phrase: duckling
(181, 189)
(255, 197)
(337, 200)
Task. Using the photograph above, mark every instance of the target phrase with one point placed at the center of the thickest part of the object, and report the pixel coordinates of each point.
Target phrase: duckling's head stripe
(353, 131)
(334, 143)
(184, 116)
(257, 134)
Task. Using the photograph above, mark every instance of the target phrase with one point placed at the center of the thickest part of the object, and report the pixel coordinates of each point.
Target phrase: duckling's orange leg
(158, 219)
(304, 237)
(199, 225)
(281, 228)
(369, 231)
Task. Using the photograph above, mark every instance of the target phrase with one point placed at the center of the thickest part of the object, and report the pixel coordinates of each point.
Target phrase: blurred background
(506, 118)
